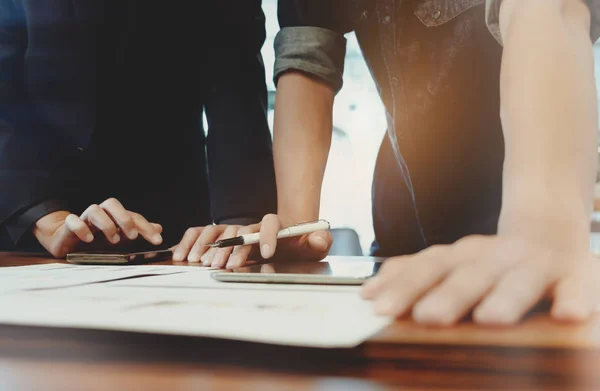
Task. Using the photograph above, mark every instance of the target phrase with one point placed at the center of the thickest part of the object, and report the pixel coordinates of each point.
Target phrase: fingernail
(266, 251)
(133, 234)
(320, 241)
(193, 258)
(156, 238)
(205, 260)
(116, 238)
(217, 260)
(177, 256)
(89, 238)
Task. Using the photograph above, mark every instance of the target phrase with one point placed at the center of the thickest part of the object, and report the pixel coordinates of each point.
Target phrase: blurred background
(359, 126)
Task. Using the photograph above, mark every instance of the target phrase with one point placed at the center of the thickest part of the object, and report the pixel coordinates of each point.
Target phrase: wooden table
(538, 354)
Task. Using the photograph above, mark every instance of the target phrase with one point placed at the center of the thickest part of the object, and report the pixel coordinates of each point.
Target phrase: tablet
(342, 272)
(114, 258)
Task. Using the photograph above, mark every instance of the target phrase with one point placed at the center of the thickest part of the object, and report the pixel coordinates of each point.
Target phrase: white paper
(57, 275)
(184, 301)
(300, 318)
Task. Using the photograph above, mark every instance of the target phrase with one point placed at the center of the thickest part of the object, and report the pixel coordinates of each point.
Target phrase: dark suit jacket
(102, 98)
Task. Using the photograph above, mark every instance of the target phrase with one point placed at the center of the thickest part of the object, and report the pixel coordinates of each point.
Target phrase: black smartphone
(114, 258)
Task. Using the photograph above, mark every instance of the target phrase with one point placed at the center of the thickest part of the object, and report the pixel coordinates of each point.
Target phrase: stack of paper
(185, 301)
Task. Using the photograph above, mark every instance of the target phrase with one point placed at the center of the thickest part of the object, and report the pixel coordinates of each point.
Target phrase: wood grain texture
(536, 355)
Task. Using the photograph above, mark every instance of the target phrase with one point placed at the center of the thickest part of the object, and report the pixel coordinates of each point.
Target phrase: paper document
(184, 300)
(58, 275)
(300, 318)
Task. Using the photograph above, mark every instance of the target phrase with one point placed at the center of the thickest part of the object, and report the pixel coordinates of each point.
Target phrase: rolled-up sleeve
(492, 14)
(315, 51)
(311, 39)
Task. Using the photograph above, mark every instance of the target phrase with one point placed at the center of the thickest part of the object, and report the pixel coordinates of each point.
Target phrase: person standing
(483, 188)
(101, 107)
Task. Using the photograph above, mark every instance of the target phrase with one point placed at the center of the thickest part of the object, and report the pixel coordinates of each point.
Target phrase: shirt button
(436, 15)
(395, 81)
(80, 149)
(364, 15)
(387, 19)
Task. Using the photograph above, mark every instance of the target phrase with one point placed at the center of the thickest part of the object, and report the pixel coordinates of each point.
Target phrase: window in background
(359, 126)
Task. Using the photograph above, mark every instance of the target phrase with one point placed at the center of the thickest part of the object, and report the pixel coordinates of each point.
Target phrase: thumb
(320, 241)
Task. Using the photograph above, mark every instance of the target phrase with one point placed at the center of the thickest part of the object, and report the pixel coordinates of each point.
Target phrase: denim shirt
(436, 66)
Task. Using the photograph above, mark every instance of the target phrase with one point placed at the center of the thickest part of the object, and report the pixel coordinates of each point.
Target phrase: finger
(157, 227)
(453, 298)
(119, 215)
(209, 234)
(398, 286)
(267, 268)
(96, 216)
(221, 255)
(518, 291)
(240, 254)
(78, 227)
(269, 227)
(574, 295)
(146, 229)
(185, 245)
(388, 272)
(320, 242)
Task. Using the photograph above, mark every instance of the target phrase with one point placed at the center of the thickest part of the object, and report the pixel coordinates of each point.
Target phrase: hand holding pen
(229, 246)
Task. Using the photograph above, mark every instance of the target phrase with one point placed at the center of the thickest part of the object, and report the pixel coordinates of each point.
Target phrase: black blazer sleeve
(239, 151)
(29, 151)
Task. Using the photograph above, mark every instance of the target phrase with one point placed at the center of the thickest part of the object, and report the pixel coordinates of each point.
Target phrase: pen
(294, 230)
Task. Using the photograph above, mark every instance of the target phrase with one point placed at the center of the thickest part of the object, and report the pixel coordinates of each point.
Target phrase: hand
(62, 232)
(314, 246)
(499, 277)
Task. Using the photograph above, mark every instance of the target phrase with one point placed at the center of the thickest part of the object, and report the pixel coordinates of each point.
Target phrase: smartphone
(113, 258)
(338, 272)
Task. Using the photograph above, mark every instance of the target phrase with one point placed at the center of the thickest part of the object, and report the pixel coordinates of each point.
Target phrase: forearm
(301, 142)
(549, 110)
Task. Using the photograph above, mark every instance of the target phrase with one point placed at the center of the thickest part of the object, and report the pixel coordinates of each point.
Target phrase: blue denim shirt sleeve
(316, 51)
(492, 14)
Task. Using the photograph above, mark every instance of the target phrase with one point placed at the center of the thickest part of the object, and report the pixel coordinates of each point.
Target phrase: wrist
(552, 224)
(297, 216)
(530, 199)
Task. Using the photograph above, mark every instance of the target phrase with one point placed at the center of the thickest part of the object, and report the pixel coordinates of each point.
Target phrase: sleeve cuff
(492, 18)
(20, 225)
(240, 221)
(594, 6)
(315, 51)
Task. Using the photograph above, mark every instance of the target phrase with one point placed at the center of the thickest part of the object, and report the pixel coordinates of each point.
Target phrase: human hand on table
(498, 277)
(193, 246)
(62, 232)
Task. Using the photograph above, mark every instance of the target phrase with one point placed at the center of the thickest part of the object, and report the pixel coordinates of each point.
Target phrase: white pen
(294, 230)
